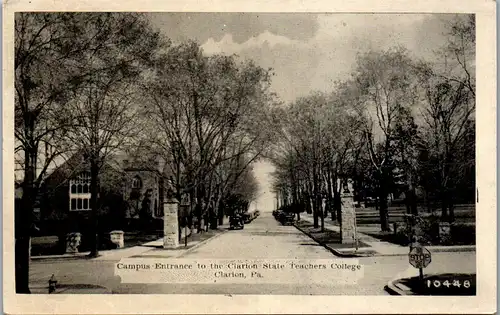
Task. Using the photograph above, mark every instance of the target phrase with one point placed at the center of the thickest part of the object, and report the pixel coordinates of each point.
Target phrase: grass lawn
(463, 214)
(132, 239)
(46, 245)
(328, 237)
(194, 237)
(461, 234)
(463, 229)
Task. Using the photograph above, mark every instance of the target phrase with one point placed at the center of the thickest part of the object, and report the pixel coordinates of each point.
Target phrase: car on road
(276, 213)
(287, 218)
(248, 217)
(236, 222)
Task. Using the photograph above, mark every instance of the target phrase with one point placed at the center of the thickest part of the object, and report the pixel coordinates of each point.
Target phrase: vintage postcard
(249, 157)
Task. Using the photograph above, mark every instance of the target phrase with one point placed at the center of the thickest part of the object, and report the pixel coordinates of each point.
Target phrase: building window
(79, 192)
(137, 183)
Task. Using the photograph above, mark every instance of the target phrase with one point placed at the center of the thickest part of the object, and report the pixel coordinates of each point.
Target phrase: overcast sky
(307, 51)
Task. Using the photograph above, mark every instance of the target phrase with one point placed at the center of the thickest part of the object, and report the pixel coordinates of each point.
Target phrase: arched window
(136, 182)
(83, 177)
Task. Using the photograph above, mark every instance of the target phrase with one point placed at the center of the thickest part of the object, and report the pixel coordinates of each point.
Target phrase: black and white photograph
(246, 153)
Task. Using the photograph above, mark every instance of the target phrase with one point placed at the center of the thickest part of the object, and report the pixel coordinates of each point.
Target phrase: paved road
(263, 238)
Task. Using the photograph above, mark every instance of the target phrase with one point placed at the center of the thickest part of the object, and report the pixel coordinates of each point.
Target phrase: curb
(329, 248)
(80, 256)
(432, 249)
(450, 249)
(200, 244)
(40, 288)
(393, 289)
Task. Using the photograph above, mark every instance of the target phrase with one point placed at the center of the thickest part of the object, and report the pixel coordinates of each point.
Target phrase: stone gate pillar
(170, 223)
(348, 227)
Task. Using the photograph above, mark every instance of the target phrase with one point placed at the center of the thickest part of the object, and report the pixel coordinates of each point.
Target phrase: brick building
(130, 195)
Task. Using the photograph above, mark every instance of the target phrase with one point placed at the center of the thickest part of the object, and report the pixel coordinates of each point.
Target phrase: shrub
(428, 229)
(463, 234)
(426, 232)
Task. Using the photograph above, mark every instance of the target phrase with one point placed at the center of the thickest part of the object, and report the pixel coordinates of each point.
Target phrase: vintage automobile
(277, 213)
(248, 217)
(236, 222)
(287, 218)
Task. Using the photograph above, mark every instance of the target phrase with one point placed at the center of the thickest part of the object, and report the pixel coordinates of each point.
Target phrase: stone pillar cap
(171, 200)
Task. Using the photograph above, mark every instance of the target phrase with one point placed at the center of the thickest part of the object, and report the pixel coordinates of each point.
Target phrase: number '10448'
(448, 284)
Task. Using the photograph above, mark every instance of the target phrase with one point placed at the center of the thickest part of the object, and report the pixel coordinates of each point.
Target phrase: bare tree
(209, 112)
(45, 73)
(104, 108)
(387, 83)
(448, 114)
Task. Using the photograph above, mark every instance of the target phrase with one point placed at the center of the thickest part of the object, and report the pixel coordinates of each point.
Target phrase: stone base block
(117, 238)
(444, 232)
(73, 241)
(348, 239)
(171, 241)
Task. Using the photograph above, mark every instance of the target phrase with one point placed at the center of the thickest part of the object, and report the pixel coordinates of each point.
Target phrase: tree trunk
(315, 212)
(201, 220)
(428, 200)
(220, 214)
(332, 208)
(407, 201)
(452, 211)
(22, 250)
(213, 218)
(207, 221)
(316, 205)
(329, 202)
(412, 196)
(23, 222)
(413, 201)
(448, 212)
(337, 204)
(309, 204)
(444, 204)
(322, 211)
(383, 211)
(94, 239)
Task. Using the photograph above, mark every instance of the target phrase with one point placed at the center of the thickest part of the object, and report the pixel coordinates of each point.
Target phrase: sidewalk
(385, 248)
(150, 249)
(155, 249)
(78, 274)
(109, 254)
